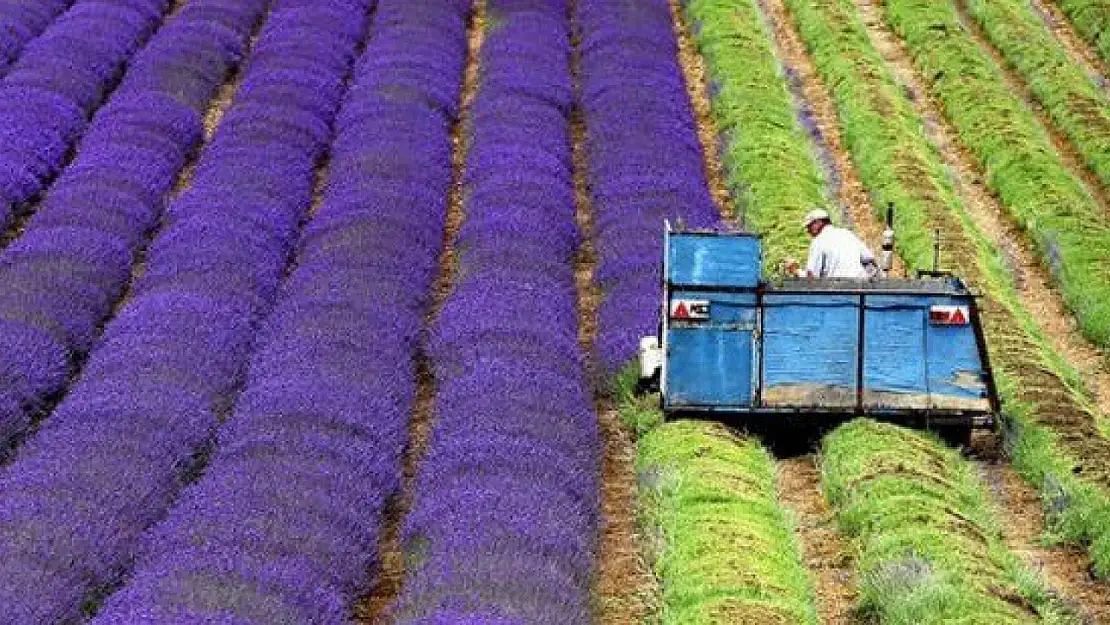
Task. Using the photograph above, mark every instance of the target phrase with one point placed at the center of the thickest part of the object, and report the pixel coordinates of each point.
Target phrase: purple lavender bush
(69, 267)
(504, 523)
(284, 525)
(110, 461)
(62, 75)
(645, 162)
(22, 21)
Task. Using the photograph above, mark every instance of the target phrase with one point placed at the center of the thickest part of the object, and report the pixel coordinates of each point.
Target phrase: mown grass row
(725, 551)
(1071, 231)
(1091, 19)
(768, 160)
(722, 547)
(1076, 104)
(1054, 429)
(930, 549)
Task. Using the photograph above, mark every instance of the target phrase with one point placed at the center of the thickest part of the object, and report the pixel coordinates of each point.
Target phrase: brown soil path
(1078, 49)
(826, 553)
(697, 88)
(1032, 281)
(1068, 154)
(392, 574)
(1019, 511)
(625, 591)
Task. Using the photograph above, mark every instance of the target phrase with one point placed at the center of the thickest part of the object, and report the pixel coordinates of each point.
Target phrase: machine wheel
(645, 386)
(954, 435)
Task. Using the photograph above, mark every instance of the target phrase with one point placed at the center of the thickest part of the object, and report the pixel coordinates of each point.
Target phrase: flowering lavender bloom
(75, 254)
(110, 461)
(640, 173)
(312, 452)
(22, 21)
(504, 523)
(62, 75)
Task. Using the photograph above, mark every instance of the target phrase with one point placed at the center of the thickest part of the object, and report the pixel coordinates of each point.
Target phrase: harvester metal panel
(810, 344)
(713, 260)
(894, 369)
(894, 348)
(954, 367)
(711, 360)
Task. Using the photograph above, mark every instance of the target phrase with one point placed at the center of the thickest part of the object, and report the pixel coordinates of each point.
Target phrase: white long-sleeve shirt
(838, 253)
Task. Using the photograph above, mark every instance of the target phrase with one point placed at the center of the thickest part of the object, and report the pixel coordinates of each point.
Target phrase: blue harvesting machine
(812, 353)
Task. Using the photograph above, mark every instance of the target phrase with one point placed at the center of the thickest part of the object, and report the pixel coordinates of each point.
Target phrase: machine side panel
(710, 361)
(894, 370)
(728, 261)
(810, 346)
(955, 368)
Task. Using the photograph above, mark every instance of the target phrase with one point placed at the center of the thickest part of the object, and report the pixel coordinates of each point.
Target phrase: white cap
(815, 214)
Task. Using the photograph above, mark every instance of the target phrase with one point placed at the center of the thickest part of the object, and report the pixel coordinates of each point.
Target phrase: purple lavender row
(22, 21)
(284, 525)
(67, 269)
(47, 97)
(109, 463)
(504, 523)
(645, 162)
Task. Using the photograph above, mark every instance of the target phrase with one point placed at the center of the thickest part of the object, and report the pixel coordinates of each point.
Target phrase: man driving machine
(834, 252)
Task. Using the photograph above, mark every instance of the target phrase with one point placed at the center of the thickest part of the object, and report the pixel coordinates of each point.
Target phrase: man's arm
(815, 264)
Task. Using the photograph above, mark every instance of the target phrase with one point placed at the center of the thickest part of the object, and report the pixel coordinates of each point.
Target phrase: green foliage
(768, 159)
(1021, 165)
(1092, 19)
(639, 413)
(726, 552)
(930, 548)
(897, 163)
(1077, 105)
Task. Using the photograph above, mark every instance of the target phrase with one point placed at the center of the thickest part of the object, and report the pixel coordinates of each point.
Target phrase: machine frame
(952, 420)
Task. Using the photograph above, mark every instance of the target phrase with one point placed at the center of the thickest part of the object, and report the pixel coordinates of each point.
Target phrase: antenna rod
(936, 250)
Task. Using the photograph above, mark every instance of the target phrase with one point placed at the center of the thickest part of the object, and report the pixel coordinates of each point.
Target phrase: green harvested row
(930, 548)
(1057, 443)
(768, 159)
(1069, 228)
(724, 550)
(1091, 19)
(1075, 103)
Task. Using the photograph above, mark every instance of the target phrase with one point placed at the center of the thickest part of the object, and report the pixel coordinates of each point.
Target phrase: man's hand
(791, 267)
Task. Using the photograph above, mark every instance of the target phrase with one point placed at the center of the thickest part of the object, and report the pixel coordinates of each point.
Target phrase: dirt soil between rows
(392, 574)
(826, 553)
(1018, 508)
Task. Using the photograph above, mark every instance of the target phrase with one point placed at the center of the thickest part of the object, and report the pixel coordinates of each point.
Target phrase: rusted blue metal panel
(711, 360)
(711, 367)
(709, 259)
(894, 370)
(810, 344)
(954, 365)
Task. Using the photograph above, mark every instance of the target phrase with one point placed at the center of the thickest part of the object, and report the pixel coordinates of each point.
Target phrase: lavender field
(325, 311)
